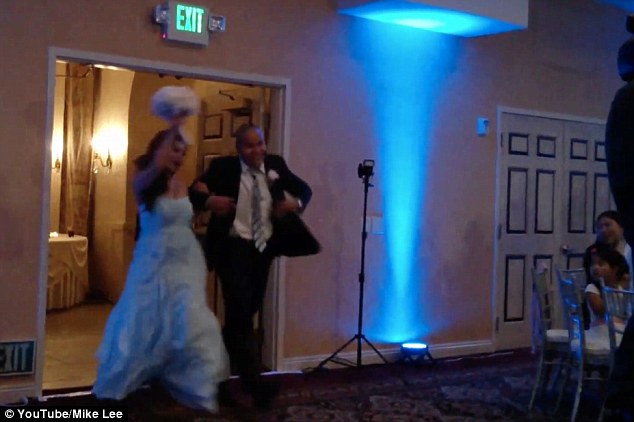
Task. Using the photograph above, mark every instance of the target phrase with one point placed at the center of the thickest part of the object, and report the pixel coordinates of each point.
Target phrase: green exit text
(189, 18)
(16, 357)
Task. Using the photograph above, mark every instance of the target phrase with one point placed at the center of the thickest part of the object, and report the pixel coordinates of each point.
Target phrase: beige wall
(563, 63)
(214, 103)
(57, 146)
(111, 231)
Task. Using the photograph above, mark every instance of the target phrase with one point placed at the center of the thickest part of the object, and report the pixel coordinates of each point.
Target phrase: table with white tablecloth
(67, 271)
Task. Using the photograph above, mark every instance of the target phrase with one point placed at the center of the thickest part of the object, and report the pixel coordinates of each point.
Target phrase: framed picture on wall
(207, 158)
(239, 117)
(213, 126)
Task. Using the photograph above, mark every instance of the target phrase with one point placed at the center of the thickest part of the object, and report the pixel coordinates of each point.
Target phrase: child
(607, 264)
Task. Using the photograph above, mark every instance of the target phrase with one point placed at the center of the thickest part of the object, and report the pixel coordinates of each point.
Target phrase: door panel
(528, 218)
(514, 290)
(576, 200)
(602, 199)
(552, 183)
(545, 198)
(517, 200)
(587, 191)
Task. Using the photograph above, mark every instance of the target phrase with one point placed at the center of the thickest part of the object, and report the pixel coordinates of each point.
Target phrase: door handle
(566, 249)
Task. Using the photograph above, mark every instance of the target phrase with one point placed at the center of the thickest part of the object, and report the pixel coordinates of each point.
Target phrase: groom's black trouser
(243, 273)
(621, 382)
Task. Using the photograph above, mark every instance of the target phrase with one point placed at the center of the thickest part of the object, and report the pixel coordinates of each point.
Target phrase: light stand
(365, 171)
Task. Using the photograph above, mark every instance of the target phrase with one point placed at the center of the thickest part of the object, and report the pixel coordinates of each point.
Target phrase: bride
(161, 328)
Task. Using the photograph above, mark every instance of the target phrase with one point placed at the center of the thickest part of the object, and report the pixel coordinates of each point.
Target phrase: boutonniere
(272, 176)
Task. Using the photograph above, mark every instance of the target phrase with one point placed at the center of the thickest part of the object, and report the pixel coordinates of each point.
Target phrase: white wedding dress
(161, 328)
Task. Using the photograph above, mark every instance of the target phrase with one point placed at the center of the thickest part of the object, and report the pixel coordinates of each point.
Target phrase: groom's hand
(221, 205)
(200, 187)
(285, 206)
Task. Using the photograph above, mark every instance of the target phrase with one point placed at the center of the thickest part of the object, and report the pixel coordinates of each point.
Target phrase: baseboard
(10, 395)
(438, 351)
(368, 356)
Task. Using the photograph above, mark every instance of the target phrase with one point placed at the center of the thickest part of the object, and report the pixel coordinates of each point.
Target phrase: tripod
(365, 171)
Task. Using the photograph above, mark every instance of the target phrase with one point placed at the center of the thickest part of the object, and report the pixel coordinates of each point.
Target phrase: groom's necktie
(256, 215)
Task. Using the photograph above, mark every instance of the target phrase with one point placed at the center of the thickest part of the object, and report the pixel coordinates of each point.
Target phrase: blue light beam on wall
(431, 18)
(406, 70)
(626, 5)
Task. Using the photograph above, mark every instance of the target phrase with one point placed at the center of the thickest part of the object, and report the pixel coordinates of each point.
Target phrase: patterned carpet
(485, 388)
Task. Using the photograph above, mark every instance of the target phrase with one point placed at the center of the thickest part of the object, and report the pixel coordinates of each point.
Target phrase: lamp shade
(467, 18)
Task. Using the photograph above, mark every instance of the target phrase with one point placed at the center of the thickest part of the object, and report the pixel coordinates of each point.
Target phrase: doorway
(551, 184)
(121, 127)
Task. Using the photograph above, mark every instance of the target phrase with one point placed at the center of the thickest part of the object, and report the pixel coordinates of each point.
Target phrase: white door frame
(195, 72)
(496, 213)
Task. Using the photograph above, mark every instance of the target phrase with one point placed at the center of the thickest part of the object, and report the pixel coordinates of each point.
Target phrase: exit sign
(186, 23)
(17, 357)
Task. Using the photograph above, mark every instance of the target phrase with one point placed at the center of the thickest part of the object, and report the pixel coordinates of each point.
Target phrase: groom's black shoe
(264, 395)
(225, 398)
(262, 391)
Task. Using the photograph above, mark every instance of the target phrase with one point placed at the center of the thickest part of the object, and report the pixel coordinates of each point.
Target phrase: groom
(619, 147)
(254, 200)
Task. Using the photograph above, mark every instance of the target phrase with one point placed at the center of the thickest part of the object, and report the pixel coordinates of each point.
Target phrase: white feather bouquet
(174, 101)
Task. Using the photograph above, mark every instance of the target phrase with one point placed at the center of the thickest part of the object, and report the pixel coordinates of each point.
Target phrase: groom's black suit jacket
(619, 149)
(290, 236)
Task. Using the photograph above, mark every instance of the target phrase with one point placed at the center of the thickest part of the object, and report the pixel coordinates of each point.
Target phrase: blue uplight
(430, 18)
(406, 71)
(414, 346)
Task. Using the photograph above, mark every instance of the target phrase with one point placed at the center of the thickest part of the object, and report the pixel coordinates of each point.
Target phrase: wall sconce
(106, 146)
(98, 159)
(57, 165)
(57, 151)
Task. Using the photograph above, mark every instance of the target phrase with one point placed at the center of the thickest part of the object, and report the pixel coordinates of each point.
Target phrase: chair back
(619, 305)
(576, 275)
(572, 299)
(544, 299)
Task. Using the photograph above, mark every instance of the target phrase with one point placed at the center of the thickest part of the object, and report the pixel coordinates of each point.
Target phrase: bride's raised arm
(154, 163)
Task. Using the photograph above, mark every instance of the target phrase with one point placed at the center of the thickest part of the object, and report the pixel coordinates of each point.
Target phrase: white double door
(552, 183)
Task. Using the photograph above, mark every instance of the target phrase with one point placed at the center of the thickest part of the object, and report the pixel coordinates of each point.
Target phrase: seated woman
(609, 233)
(609, 265)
